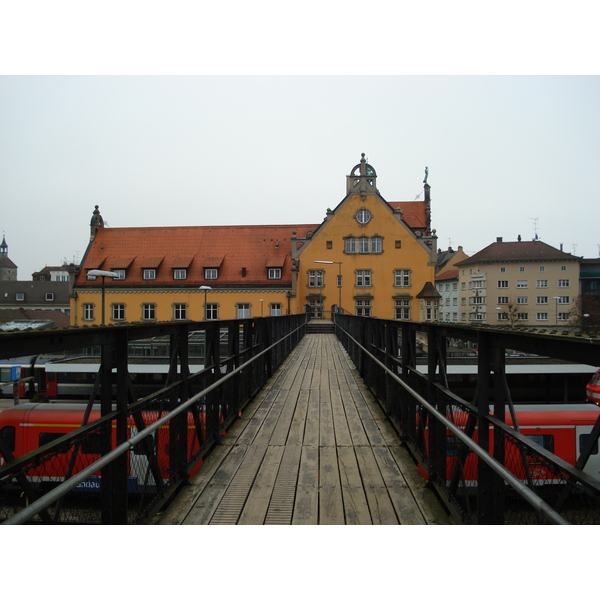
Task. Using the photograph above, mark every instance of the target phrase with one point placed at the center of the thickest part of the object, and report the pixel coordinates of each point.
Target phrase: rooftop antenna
(574, 246)
(535, 229)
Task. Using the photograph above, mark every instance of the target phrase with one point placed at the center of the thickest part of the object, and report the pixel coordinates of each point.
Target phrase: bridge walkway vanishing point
(313, 447)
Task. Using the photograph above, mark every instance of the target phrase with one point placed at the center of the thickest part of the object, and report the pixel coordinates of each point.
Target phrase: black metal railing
(485, 471)
(128, 456)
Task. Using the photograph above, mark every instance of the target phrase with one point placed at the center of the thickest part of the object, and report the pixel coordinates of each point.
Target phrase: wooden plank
(253, 427)
(357, 432)
(356, 507)
(282, 428)
(215, 486)
(331, 507)
(429, 505)
(233, 500)
(340, 423)
(306, 505)
(326, 430)
(369, 425)
(255, 508)
(267, 427)
(406, 507)
(380, 505)
(311, 429)
(281, 505)
(296, 434)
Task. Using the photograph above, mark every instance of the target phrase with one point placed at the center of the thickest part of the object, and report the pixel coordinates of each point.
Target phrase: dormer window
(179, 274)
(211, 273)
(49, 296)
(149, 274)
(120, 274)
(20, 296)
(274, 273)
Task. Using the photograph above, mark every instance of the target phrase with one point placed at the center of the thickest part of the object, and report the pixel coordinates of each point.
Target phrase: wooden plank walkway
(313, 447)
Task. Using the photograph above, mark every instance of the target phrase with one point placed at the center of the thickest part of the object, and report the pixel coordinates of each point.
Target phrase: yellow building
(369, 257)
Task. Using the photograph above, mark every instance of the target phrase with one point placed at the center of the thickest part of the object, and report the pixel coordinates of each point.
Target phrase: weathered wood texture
(314, 447)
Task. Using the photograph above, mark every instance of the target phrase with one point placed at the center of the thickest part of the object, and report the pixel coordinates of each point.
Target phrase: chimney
(498, 240)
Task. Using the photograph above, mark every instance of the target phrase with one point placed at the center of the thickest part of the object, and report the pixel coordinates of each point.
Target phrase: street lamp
(261, 307)
(205, 289)
(339, 280)
(103, 274)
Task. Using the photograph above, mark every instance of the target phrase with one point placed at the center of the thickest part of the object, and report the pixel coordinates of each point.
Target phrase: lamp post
(339, 281)
(261, 306)
(103, 274)
(205, 289)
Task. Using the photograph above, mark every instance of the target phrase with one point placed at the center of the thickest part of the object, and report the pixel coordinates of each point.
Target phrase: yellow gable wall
(164, 300)
(410, 255)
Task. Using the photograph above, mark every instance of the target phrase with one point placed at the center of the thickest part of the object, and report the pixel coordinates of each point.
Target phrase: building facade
(368, 257)
(521, 283)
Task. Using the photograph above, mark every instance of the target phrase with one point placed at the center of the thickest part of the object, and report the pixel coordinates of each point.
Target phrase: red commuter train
(27, 427)
(562, 429)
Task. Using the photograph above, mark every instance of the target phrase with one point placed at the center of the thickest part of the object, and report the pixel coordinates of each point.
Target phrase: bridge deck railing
(130, 456)
(484, 470)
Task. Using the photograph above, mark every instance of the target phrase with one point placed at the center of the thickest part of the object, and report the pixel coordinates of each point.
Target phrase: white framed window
(363, 308)
(522, 283)
(315, 278)
(376, 245)
(20, 296)
(402, 310)
(179, 312)
(120, 274)
(363, 216)
(212, 312)
(351, 245)
(542, 269)
(563, 267)
(363, 278)
(521, 269)
(49, 296)
(179, 274)
(211, 273)
(402, 278)
(541, 283)
(274, 273)
(363, 245)
(243, 311)
(564, 300)
(502, 299)
(148, 312)
(502, 269)
(276, 309)
(118, 312)
(541, 300)
(542, 316)
(522, 316)
(503, 284)
(149, 274)
(563, 283)
(564, 316)
(502, 316)
(88, 312)
(522, 299)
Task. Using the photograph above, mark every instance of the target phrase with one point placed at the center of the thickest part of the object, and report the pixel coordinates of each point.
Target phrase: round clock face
(363, 216)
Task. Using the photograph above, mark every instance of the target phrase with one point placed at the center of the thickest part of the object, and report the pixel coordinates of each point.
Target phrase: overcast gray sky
(507, 155)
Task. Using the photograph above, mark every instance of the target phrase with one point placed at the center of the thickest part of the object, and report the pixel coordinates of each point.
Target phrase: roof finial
(426, 174)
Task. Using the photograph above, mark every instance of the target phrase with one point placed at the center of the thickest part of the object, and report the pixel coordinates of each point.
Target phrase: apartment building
(520, 283)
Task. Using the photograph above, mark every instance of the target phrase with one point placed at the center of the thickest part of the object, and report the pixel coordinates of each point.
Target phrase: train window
(92, 444)
(545, 441)
(7, 434)
(47, 436)
(583, 438)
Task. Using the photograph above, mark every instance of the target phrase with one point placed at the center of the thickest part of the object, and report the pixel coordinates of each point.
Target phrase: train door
(592, 466)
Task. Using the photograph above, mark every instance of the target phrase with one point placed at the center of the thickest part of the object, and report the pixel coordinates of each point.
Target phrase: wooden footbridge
(314, 447)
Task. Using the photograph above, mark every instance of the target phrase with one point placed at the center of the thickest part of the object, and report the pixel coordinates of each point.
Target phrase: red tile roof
(449, 274)
(414, 213)
(228, 248)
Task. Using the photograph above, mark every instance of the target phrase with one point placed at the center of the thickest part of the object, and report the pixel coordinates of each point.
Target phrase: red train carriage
(27, 427)
(561, 429)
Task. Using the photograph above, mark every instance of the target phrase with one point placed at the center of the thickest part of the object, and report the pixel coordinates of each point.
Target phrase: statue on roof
(426, 175)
